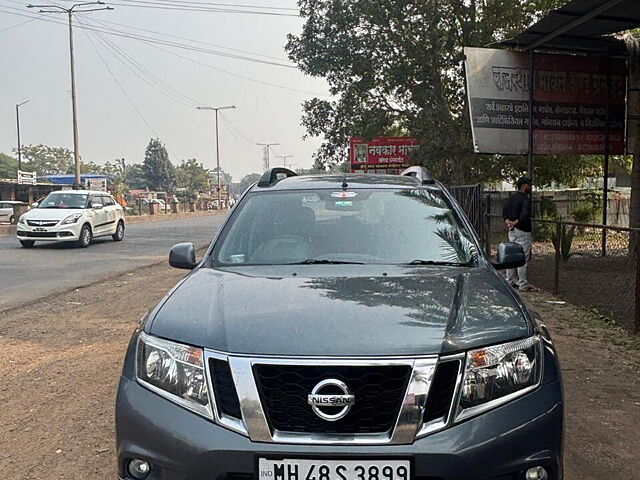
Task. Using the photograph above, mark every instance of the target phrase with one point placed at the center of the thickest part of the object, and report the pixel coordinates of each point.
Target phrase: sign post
(26, 178)
(383, 155)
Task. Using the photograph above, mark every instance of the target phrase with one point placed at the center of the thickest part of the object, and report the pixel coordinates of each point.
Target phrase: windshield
(408, 226)
(64, 200)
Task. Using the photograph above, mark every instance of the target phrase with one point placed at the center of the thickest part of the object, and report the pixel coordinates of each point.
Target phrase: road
(29, 274)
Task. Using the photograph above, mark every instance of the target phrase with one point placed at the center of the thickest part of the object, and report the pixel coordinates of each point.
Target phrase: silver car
(6, 210)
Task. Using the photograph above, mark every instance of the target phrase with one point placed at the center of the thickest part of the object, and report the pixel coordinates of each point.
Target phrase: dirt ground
(61, 359)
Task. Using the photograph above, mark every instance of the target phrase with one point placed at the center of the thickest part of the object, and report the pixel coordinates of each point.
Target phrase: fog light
(139, 469)
(536, 473)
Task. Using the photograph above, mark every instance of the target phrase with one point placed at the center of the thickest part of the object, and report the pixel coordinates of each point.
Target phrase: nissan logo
(332, 395)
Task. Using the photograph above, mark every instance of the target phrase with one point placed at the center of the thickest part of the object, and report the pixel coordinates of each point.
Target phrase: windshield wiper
(317, 261)
(440, 263)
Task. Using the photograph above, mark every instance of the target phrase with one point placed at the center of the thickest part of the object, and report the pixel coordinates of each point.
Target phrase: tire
(119, 235)
(27, 243)
(85, 237)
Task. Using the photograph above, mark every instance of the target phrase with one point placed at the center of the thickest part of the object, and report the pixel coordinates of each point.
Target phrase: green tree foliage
(247, 181)
(159, 172)
(135, 176)
(8, 166)
(396, 66)
(192, 178)
(46, 160)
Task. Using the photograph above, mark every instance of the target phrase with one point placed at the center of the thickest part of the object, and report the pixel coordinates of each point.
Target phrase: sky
(117, 117)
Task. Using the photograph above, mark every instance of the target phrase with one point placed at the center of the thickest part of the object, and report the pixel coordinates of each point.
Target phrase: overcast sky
(35, 58)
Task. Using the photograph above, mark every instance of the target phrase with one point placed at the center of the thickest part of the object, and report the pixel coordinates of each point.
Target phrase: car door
(110, 207)
(98, 214)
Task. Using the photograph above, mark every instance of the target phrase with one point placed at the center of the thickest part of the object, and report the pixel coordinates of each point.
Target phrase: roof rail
(274, 175)
(420, 174)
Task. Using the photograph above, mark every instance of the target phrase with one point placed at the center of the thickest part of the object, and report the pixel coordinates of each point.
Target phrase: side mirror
(34, 204)
(510, 255)
(183, 255)
(96, 205)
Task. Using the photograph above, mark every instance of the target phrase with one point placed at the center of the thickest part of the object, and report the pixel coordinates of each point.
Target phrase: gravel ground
(62, 356)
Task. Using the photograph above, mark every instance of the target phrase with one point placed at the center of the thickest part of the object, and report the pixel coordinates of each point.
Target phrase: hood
(51, 213)
(366, 311)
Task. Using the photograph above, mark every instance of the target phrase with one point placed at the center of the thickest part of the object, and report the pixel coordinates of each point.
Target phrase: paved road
(29, 274)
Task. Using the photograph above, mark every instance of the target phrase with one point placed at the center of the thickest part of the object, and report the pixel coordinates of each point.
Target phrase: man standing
(517, 218)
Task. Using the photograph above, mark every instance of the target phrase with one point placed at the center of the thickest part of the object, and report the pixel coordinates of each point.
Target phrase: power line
(168, 43)
(117, 82)
(164, 34)
(196, 7)
(213, 4)
(16, 25)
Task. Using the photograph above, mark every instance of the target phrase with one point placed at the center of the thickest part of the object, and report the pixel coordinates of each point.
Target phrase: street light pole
(284, 159)
(267, 146)
(70, 11)
(18, 105)
(217, 109)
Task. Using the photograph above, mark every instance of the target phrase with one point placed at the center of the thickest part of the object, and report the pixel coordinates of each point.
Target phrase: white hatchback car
(72, 216)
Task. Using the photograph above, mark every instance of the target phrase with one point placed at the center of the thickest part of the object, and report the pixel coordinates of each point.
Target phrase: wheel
(12, 220)
(85, 237)
(119, 235)
(27, 243)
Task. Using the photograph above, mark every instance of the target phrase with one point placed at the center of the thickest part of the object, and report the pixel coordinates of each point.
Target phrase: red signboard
(381, 154)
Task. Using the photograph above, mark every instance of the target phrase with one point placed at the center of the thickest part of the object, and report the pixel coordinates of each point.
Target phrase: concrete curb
(129, 219)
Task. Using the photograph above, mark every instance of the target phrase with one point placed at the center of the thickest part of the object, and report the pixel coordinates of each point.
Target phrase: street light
(217, 109)
(18, 105)
(267, 147)
(76, 8)
(284, 159)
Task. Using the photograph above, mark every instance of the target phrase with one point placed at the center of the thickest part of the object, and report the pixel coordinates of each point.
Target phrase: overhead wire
(17, 25)
(197, 7)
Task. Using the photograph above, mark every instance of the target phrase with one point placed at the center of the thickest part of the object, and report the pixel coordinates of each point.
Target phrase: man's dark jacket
(518, 207)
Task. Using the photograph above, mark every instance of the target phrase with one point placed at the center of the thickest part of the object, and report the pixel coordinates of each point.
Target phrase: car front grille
(37, 234)
(378, 390)
(224, 389)
(441, 391)
(42, 223)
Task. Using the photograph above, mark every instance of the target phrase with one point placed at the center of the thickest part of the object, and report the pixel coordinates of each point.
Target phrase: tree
(159, 172)
(45, 160)
(135, 176)
(192, 178)
(395, 66)
(8, 166)
(247, 181)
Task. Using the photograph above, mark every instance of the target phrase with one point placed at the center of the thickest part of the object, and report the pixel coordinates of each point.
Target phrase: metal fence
(568, 260)
(470, 199)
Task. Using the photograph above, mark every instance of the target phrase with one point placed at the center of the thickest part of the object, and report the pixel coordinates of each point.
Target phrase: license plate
(39, 229)
(292, 469)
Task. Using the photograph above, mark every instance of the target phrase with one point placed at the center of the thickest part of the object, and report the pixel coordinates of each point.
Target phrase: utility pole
(284, 159)
(267, 146)
(76, 8)
(18, 105)
(217, 109)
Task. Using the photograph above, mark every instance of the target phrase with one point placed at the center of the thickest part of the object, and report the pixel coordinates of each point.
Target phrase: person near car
(517, 217)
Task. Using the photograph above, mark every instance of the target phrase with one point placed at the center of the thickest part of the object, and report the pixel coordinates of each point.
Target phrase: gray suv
(341, 327)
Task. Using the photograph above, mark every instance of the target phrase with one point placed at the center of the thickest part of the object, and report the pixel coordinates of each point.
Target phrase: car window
(96, 199)
(364, 226)
(107, 200)
(4, 205)
(64, 200)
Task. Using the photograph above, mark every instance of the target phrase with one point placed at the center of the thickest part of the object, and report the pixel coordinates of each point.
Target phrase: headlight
(21, 220)
(71, 219)
(497, 374)
(174, 371)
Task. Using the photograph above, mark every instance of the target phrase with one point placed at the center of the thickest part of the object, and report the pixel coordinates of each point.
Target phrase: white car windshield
(64, 200)
(372, 226)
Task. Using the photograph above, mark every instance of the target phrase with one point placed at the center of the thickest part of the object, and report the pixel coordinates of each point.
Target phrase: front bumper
(57, 233)
(497, 445)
